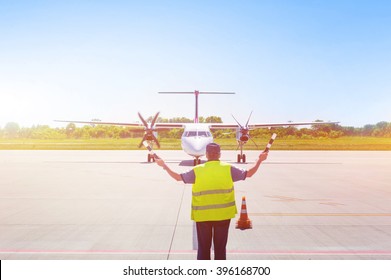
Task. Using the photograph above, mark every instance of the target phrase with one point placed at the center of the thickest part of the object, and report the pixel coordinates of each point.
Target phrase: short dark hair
(213, 148)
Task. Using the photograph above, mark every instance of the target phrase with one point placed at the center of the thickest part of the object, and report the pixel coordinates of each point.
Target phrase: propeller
(149, 129)
(244, 130)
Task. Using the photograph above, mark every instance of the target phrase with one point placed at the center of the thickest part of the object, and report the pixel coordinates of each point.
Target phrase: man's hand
(160, 162)
(263, 156)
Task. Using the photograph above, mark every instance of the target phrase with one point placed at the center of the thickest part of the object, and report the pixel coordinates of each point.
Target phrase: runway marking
(321, 214)
(280, 198)
(176, 222)
(369, 252)
(306, 163)
(183, 252)
(291, 199)
(332, 203)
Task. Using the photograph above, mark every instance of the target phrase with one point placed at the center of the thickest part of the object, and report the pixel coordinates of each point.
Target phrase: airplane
(196, 136)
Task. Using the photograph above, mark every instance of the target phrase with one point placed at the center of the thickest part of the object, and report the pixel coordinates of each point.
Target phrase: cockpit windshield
(197, 133)
(191, 133)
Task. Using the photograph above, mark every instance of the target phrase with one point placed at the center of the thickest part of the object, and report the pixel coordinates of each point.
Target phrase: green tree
(70, 129)
(368, 129)
(11, 130)
(213, 119)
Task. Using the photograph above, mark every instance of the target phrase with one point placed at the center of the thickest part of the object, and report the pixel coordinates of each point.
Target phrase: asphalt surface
(115, 205)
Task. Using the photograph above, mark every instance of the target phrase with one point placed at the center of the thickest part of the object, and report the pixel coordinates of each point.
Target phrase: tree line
(12, 130)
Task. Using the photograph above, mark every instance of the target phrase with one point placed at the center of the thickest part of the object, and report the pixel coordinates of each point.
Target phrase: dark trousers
(216, 231)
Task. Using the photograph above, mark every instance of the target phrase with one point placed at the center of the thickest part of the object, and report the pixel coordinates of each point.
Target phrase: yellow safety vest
(213, 197)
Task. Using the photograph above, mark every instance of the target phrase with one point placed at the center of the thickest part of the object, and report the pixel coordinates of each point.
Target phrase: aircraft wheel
(239, 158)
(199, 161)
(149, 157)
(244, 158)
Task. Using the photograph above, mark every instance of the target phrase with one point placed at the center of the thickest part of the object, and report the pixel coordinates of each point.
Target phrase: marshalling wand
(268, 146)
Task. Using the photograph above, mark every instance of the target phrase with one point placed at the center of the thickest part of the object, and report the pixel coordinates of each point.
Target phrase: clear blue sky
(286, 60)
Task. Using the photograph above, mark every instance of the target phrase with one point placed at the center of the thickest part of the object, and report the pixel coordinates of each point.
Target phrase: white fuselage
(195, 137)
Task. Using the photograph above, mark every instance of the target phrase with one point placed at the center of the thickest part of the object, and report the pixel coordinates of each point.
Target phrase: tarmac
(107, 205)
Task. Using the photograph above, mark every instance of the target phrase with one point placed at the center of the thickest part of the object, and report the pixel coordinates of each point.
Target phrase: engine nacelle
(242, 135)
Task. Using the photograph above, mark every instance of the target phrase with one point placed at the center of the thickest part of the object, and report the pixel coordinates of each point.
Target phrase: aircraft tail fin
(196, 93)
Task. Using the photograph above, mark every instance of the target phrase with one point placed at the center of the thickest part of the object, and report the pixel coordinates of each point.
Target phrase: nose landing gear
(151, 158)
(196, 161)
(241, 158)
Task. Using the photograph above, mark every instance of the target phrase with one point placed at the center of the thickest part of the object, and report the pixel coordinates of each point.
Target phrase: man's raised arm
(254, 169)
(170, 172)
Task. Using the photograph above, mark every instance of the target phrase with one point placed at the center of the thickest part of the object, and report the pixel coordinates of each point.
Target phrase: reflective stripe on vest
(213, 196)
(213, 192)
(214, 206)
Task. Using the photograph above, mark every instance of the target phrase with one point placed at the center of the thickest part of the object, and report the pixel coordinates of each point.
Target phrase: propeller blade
(156, 141)
(154, 119)
(141, 143)
(143, 121)
(241, 127)
(249, 118)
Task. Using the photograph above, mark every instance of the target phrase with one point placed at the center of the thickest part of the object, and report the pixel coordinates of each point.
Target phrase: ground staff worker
(213, 199)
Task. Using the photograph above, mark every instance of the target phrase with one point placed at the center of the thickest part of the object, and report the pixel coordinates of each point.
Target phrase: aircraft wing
(266, 125)
(103, 123)
(211, 125)
(169, 125)
(157, 125)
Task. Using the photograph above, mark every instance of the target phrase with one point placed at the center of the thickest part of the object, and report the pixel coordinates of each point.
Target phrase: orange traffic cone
(243, 222)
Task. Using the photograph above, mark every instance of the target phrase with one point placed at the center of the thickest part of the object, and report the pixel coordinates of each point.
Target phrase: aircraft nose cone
(195, 146)
(199, 147)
